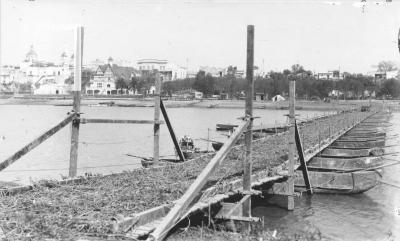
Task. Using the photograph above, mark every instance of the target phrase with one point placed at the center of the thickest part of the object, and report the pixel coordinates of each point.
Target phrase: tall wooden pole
(73, 162)
(171, 132)
(156, 150)
(249, 112)
(292, 147)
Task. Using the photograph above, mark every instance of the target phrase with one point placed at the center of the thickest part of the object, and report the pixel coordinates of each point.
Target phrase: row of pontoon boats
(351, 164)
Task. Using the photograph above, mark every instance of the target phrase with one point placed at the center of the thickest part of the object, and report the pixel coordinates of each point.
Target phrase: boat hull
(149, 162)
(338, 183)
(344, 164)
(354, 145)
(217, 145)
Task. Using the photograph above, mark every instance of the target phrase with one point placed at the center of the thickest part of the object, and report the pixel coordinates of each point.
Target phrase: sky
(317, 34)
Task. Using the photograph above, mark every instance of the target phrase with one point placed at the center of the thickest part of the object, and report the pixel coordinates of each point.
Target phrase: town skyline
(194, 34)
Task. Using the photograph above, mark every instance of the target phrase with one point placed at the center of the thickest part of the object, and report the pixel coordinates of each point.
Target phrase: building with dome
(46, 78)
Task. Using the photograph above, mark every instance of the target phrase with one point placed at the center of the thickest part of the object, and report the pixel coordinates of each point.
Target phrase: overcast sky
(315, 34)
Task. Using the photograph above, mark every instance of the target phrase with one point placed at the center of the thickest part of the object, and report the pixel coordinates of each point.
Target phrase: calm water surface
(373, 215)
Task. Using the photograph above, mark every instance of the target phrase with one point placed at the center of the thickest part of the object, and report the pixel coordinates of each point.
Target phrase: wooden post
(292, 96)
(156, 146)
(303, 163)
(73, 161)
(249, 113)
(171, 132)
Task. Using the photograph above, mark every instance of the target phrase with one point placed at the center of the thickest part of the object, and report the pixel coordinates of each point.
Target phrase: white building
(330, 75)
(152, 64)
(10, 74)
(170, 71)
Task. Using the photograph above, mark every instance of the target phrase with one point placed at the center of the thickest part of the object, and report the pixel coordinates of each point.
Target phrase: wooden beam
(183, 203)
(249, 113)
(171, 132)
(115, 121)
(156, 143)
(36, 142)
(73, 161)
(303, 164)
(292, 96)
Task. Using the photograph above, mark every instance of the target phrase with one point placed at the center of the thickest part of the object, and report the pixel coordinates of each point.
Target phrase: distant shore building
(330, 75)
(214, 71)
(169, 71)
(46, 78)
(381, 75)
(103, 82)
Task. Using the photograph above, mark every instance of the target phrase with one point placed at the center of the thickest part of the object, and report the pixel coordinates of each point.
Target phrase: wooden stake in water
(73, 162)
(156, 150)
(292, 147)
(249, 112)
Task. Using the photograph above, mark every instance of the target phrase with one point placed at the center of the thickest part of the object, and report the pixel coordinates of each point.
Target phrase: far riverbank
(149, 102)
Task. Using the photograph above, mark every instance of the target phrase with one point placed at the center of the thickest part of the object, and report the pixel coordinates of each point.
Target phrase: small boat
(147, 162)
(107, 103)
(225, 127)
(187, 146)
(365, 108)
(339, 183)
(217, 145)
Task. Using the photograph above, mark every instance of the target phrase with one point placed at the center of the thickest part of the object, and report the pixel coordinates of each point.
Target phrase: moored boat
(338, 183)
(225, 127)
(343, 164)
(147, 162)
(357, 144)
(217, 145)
(337, 153)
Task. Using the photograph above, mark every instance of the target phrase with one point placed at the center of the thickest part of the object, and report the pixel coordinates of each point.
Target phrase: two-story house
(103, 82)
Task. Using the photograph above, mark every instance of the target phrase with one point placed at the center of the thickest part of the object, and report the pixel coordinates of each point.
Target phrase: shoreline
(149, 102)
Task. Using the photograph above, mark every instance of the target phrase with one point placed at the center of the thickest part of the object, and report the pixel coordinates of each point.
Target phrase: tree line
(354, 86)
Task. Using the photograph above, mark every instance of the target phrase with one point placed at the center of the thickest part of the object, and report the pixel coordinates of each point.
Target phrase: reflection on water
(104, 145)
(368, 216)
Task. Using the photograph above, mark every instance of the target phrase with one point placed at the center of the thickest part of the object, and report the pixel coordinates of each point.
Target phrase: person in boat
(187, 142)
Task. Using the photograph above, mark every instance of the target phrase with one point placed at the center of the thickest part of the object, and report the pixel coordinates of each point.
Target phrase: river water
(374, 215)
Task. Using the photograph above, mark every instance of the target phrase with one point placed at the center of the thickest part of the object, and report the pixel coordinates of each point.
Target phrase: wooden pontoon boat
(339, 183)
(358, 144)
(343, 164)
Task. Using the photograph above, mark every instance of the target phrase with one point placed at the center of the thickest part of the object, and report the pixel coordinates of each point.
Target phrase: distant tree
(390, 87)
(120, 83)
(133, 83)
(385, 66)
(86, 76)
(204, 83)
(286, 72)
(297, 69)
